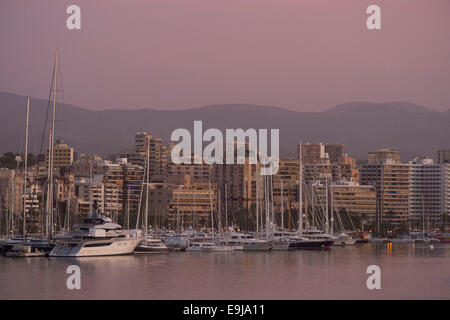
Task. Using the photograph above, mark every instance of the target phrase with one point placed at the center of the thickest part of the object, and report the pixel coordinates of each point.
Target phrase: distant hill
(361, 126)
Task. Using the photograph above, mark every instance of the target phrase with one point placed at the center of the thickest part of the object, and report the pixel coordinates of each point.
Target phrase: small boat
(344, 239)
(301, 243)
(152, 245)
(20, 250)
(363, 237)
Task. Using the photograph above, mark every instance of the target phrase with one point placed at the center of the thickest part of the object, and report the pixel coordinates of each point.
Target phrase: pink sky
(306, 55)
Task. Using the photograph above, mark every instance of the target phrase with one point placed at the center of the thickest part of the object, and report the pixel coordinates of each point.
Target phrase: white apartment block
(429, 192)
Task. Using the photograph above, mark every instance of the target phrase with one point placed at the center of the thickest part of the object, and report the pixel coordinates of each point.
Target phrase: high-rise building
(429, 193)
(392, 183)
(443, 156)
(343, 197)
(157, 154)
(62, 155)
(11, 201)
(335, 151)
(346, 170)
(355, 199)
(133, 176)
(311, 153)
(105, 195)
(391, 156)
(191, 204)
(321, 170)
(286, 180)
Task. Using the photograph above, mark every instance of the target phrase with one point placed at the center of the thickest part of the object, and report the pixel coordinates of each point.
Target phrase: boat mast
(25, 173)
(219, 213)
(326, 207)
(226, 207)
(300, 192)
(257, 198)
(128, 209)
(331, 202)
(68, 208)
(90, 184)
(211, 209)
(146, 193)
(282, 206)
(49, 220)
(423, 216)
(272, 208)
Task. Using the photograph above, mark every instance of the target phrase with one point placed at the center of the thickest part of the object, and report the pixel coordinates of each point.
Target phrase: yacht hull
(143, 249)
(258, 246)
(311, 245)
(96, 248)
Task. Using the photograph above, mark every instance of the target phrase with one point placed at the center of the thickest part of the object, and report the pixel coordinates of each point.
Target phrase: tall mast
(211, 208)
(272, 208)
(266, 204)
(68, 208)
(326, 206)
(226, 207)
(331, 203)
(219, 210)
(25, 173)
(282, 206)
(51, 154)
(257, 198)
(128, 209)
(300, 192)
(90, 184)
(146, 194)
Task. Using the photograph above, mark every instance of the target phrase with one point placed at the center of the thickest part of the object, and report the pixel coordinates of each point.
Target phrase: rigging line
(62, 107)
(48, 108)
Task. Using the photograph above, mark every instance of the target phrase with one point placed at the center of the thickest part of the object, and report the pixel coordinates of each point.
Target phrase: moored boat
(97, 236)
(20, 250)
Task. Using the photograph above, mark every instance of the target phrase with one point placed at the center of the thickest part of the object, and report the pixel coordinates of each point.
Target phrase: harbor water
(407, 272)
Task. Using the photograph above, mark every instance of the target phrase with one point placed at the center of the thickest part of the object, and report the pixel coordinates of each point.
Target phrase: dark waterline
(407, 272)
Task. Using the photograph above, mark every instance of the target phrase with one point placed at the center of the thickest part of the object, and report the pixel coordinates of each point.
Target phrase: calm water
(407, 272)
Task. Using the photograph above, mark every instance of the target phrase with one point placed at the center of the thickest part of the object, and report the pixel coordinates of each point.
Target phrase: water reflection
(408, 271)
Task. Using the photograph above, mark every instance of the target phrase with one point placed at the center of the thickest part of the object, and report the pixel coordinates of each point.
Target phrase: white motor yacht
(97, 236)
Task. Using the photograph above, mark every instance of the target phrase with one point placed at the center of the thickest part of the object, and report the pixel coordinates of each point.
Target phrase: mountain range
(362, 126)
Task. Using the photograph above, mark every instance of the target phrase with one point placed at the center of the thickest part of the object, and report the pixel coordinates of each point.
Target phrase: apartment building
(105, 195)
(384, 156)
(392, 185)
(429, 196)
(443, 156)
(157, 154)
(335, 151)
(62, 155)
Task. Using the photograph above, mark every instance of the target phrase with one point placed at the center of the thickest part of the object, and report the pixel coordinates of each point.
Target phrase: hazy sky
(302, 54)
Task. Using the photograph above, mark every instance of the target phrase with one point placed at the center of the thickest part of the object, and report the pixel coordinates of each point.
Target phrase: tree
(8, 160)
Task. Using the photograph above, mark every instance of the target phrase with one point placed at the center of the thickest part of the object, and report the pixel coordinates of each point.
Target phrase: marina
(339, 273)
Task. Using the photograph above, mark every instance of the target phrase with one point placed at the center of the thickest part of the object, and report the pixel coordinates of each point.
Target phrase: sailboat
(305, 240)
(149, 244)
(258, 244)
